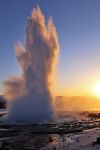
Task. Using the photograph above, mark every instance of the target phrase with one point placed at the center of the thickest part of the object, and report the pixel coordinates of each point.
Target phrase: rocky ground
(63, 135)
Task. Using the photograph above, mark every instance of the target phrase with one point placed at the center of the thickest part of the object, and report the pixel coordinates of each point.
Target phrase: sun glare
(96, 89)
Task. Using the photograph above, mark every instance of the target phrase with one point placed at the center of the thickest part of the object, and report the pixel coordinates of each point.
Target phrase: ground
(61, 135)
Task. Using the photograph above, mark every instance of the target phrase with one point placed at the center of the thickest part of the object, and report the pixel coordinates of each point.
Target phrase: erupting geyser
(29, 97)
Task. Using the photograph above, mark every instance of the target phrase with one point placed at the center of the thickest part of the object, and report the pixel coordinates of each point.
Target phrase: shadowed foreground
(73, 135)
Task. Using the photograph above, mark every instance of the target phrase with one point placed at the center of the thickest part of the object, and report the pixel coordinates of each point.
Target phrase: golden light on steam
(96, 89)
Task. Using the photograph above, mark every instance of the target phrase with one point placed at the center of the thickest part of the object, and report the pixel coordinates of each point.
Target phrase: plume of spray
(29, 96)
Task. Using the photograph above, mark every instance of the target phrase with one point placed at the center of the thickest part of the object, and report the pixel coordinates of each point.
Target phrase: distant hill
(2, 102)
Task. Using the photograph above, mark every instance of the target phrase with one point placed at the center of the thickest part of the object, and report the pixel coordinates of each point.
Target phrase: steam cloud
(29, 97)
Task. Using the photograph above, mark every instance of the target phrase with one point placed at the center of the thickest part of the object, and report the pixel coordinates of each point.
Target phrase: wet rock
(50, 139)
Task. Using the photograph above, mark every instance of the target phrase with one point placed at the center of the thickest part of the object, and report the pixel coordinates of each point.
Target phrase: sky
(78, 27)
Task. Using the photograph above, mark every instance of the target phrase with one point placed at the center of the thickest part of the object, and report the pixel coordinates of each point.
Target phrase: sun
(96, 89)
